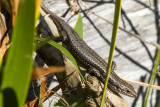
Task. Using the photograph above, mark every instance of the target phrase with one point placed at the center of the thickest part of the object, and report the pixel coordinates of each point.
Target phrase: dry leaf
(14, 6)
(40, 71)
(4, 38)
(42, 91)
(34, 103)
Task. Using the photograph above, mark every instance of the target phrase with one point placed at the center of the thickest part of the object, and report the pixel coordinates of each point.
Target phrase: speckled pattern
(134, 59)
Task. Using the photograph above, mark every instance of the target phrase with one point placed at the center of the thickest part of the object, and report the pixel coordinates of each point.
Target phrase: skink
(88, 57)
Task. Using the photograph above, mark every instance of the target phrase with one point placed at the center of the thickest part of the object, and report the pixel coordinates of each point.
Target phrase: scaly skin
(88, 57)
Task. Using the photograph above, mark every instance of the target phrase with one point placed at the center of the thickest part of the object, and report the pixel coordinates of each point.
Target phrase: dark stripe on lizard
(88, 57)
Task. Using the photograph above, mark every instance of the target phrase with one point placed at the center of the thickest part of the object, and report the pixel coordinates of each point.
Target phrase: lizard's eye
(128, 91)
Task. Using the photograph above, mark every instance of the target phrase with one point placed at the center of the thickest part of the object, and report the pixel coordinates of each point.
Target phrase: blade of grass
(154, 72)
(37, 13)
(112, 47)
(62, 49)
(158, 105)
(79, 26)
(16, 74)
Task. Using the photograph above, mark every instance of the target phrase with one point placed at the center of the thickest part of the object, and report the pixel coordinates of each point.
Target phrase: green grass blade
(158, 105)
(16, 74)
(112, 47)
(79, 26)
(63, 50)
(154, 72)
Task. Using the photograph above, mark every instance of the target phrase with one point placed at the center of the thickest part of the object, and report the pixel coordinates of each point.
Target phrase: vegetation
(16, 70)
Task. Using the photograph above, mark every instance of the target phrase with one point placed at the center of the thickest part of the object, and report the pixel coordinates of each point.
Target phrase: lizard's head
(123, 88)
(129, 91)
